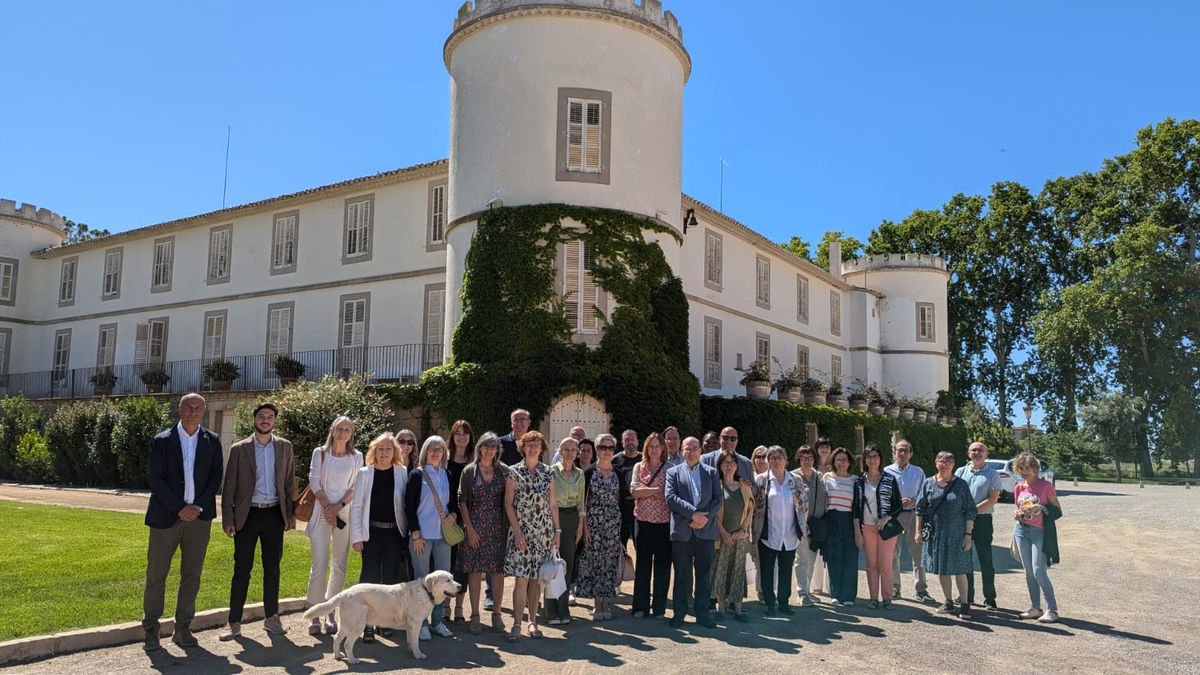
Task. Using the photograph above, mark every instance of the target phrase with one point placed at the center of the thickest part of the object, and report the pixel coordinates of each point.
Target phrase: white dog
(402, 606)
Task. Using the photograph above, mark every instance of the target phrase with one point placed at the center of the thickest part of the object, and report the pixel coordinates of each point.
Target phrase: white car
(1009, 477)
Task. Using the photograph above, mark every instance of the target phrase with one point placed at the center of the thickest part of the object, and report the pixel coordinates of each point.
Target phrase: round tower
(24, 229)
(913, 321)
(571, 101)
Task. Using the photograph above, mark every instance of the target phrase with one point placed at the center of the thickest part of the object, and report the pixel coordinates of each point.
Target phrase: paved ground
(1125, 589)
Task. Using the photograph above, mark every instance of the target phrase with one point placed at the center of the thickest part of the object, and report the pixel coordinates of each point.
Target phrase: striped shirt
(841, 492)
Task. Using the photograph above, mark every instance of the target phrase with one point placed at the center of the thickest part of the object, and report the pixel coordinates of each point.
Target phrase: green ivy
(512, 348)
(768, 422)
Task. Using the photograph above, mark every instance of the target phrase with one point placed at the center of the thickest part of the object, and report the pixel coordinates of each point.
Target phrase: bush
(140, 419)
(17, 418)
(766, 422)
(70, 433)
(34, 464)
(306, 409)
(101, 456)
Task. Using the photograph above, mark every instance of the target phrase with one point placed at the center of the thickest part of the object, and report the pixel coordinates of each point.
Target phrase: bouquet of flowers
(1029, 505)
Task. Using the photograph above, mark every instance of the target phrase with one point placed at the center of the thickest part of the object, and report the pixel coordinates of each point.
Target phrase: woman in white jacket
(331, 475)
(378, 528)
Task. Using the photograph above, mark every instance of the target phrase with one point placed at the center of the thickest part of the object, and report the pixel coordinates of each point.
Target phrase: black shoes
(786, 610)
(707, 621)
(369, 634)
(990, 603)
(676, 621)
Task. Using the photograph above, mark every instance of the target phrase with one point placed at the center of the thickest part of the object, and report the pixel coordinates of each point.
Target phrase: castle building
(570, 101)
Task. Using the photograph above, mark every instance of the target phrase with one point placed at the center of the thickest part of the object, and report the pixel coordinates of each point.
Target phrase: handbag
(453, 533)
(891, 528)
(927, 523)
(553, 574)
(1014, 549)
(627, 569)
(305, 503)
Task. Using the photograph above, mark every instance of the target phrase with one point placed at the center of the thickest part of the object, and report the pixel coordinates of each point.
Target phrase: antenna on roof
(225, 186)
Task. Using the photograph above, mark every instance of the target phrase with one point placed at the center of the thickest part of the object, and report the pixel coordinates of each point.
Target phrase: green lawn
(66, 568)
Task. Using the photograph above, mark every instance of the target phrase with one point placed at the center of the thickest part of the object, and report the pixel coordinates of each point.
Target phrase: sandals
(314, 627)
(534, 631)
(497, 622)
(476, 628)
(515, 633)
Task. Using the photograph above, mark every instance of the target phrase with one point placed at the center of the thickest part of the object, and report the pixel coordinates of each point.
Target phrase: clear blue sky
(829, 115)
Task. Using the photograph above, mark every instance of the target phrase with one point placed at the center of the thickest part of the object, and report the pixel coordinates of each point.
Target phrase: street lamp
(1028, 428)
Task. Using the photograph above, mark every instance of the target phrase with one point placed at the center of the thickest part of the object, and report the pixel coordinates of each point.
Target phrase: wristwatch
(558, 530)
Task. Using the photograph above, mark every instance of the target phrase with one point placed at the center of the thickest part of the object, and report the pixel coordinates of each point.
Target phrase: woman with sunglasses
(406, 445)
(600, 565)
(331, 475)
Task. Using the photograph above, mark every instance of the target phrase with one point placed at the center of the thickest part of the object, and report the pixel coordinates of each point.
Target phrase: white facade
(576, 102)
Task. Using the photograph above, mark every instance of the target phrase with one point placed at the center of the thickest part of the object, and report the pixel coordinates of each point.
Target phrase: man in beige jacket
(256, 505)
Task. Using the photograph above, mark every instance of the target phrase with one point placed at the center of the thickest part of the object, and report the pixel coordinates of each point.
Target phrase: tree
(1113, 421)
(77, 232)
(851, 248)
(797, 246)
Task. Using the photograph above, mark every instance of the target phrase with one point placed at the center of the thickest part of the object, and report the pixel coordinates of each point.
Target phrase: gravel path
(1125, 590)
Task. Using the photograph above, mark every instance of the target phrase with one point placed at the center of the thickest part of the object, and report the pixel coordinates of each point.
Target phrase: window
(712, 259)
(435, 315)
(762, 285)
(835, 312)
(352, 341)
(220, 253)
(435, 238)
(5, 341)
(581, 295)
(801, 298)
(584, 131)
(284, 234)
(213, 347)
(8, 281)
(925, 324)
(279, 329)
(106, 346)
(712, 353)
(762, 348)
(835, 369)
(802, 360)
(62, 353)
(150, 343)
(66, 281)
(359, 226)
(111, 288)
(164, 260)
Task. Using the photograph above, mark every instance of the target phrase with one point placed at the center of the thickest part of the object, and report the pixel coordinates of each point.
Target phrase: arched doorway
(576, 410)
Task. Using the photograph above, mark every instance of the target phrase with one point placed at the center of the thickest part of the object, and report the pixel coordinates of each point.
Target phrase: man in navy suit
(185, 469)
(510, 455)
(693, 493)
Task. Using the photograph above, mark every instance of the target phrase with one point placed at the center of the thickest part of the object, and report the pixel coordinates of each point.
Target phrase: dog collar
(431, 598)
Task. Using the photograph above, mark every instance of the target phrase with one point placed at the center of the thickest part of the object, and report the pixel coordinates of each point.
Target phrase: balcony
(393, 363)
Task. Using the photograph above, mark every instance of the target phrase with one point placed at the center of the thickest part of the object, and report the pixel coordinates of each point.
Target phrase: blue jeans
(1033, 559)
(437, 551)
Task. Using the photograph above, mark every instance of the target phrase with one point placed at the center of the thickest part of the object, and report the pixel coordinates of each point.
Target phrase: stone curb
(27, 649)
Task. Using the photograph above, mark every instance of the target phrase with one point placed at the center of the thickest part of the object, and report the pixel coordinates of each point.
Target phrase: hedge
(17, 418)
(770, 422)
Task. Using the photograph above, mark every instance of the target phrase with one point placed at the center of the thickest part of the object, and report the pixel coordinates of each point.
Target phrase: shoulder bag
(892, 528)
(927, 523)
(303, 509)
(453, 533)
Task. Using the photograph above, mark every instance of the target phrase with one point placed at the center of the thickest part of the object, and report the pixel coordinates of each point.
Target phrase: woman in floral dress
(599, 568)
(533, 529)
(481, 502)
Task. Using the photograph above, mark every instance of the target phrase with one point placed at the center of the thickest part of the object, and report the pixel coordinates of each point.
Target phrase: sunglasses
(610, 448)
(406, 441)
(729, 438)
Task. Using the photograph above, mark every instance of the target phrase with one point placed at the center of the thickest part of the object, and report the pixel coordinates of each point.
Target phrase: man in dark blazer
(510, 455)
(257, 501)
(693, 493)
(185, 474)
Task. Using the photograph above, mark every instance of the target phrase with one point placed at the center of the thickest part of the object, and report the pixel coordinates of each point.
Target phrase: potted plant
(891, 403)
(155, 379)
(920, 411)
(287, 369)
(757, 378)
(222, 372)
(814, 391)
(835, 395)
(875, 402)
(858, 395)
(788, 384)
(906, 408)
(103, 382)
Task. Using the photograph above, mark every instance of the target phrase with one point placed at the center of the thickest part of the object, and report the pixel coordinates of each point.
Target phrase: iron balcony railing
(391, 363)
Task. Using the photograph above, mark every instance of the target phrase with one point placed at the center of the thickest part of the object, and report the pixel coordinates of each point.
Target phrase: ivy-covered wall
(767, 422)
(512, 348)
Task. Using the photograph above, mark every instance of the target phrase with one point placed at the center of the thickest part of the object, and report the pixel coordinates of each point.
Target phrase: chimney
(835, 259)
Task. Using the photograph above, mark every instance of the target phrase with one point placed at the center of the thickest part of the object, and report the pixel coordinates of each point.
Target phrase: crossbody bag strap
(436, 499)
(944, 495)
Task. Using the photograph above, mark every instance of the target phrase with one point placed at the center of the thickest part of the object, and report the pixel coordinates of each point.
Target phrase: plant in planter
(288, 369)
(814, 391)
(920, 410)
(103, 382)
(835, 394)
(906, 408)
(875, 402)
(155, 379)
(222, 372)
(891, 403)
(757, 379)
(789, 384)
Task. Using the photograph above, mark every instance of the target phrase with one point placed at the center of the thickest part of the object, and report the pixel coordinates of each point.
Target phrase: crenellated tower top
(475, 14)
(32, 214)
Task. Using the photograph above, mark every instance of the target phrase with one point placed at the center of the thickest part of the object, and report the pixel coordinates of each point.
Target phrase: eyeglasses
(406, 441)
(605, 446)
(729, 438)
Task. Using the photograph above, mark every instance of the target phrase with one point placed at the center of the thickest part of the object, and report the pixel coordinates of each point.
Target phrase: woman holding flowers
(1037, 505)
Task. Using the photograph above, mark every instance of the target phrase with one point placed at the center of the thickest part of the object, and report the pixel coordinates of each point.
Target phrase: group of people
(495, 507)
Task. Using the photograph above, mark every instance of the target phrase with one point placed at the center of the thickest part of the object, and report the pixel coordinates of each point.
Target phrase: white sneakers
(425, 633)
(442, 630)
(1049, 617)
(1031, 613)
